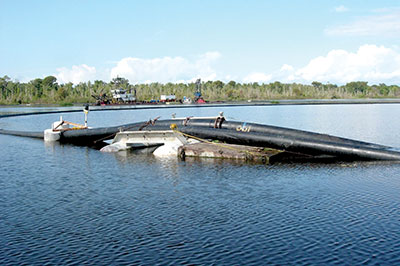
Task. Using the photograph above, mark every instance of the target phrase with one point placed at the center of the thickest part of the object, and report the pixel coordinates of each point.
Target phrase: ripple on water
(61, 204)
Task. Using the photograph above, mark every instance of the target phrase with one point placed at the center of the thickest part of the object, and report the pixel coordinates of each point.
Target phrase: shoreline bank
(221, 103)
(78, 107)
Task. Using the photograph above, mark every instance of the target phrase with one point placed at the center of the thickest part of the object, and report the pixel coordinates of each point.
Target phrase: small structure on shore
(122, 96)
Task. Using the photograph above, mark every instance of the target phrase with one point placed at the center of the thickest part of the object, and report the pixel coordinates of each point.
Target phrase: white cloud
(166, 69)
(257, 77)
(375, 64)
(370, 63)
(284, 74)
(286, 67)
(341, 8)
(228, 78)
(387, 24)
(76, 74)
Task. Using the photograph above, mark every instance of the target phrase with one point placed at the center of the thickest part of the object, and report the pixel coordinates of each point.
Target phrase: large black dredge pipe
(284, 132)
(249, 134)
(30, 134)
(296, 145)
(92, 135)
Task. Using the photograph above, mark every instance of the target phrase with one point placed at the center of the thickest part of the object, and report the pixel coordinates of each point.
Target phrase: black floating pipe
(255, 135)
(296, 145)
(284, 132)
(92, 135)
(30, 134)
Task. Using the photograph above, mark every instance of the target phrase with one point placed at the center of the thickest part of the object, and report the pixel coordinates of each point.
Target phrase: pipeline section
(295, 145)
(30, 134)
(251, 134)
(284, 132)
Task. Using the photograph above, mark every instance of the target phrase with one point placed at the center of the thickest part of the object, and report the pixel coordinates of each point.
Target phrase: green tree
(316, 84)
(62, 93)
(37, 87)
(49, 82)
(357, 86)
(3, 86)
(120, 82)
(218, 84)
(232, 83)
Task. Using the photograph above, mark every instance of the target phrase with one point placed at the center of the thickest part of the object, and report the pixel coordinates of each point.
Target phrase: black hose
(93, 135)
(258, 135)
(297, 145)
(284, 132)
(29, 134)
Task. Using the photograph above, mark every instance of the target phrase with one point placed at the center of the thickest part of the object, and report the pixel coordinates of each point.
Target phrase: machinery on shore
(125, 96)
(102, 99)
(122, 96)
(167, 98)
(198, 98)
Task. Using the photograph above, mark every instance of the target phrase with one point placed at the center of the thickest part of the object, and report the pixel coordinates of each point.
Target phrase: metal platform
(144, 139)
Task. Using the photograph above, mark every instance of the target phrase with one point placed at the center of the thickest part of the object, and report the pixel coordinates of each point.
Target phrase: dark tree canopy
(49, 81)
(48, 91)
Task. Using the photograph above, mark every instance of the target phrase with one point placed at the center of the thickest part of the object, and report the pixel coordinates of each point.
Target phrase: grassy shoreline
(47, 91)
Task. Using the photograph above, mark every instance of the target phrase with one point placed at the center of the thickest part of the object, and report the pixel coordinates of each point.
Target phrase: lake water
(62, 204)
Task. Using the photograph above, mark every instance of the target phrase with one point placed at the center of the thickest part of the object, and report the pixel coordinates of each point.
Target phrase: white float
(52, 135)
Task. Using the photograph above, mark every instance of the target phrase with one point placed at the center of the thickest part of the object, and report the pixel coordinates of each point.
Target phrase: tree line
(49, 91)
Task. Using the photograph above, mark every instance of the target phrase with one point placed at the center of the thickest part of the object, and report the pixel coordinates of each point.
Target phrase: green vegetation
(48, 91)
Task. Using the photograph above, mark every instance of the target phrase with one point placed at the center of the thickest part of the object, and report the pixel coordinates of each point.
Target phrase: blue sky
(179, 41)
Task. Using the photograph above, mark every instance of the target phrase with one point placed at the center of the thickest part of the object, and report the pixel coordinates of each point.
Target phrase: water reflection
(133, 208)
